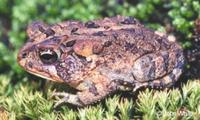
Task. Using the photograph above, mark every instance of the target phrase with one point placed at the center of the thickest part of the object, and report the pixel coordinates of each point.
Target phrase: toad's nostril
(23, 55)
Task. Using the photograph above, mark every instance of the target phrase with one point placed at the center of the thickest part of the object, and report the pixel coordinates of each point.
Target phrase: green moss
(27, 103)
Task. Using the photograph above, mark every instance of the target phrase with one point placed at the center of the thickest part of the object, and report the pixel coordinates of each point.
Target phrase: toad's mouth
(48, 72)
(39, 75)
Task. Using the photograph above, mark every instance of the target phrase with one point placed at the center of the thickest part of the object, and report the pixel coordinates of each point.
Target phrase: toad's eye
(48, 56)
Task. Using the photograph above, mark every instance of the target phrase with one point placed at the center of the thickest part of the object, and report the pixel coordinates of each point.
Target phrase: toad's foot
(66, 98)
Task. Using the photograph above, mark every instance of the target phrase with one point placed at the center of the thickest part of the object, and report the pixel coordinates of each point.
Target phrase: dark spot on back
(49, 32)
(74, 30)
(129, 46)
(100, 33)
(107, 43)
(70, 43)
(41, 29)
(91, 24)
(129, 20)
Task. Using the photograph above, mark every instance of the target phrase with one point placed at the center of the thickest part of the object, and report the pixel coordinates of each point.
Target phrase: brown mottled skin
(100, 57)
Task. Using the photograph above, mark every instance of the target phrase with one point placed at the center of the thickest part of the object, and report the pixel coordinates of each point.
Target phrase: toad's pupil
(48, 58)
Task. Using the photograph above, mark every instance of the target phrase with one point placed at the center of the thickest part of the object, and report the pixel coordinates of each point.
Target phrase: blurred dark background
(179, 18)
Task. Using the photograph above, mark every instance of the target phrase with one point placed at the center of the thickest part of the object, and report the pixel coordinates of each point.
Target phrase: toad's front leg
(90, 92)
(67, 98)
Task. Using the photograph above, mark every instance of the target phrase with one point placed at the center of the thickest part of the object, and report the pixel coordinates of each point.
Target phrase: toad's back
(129, 52)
